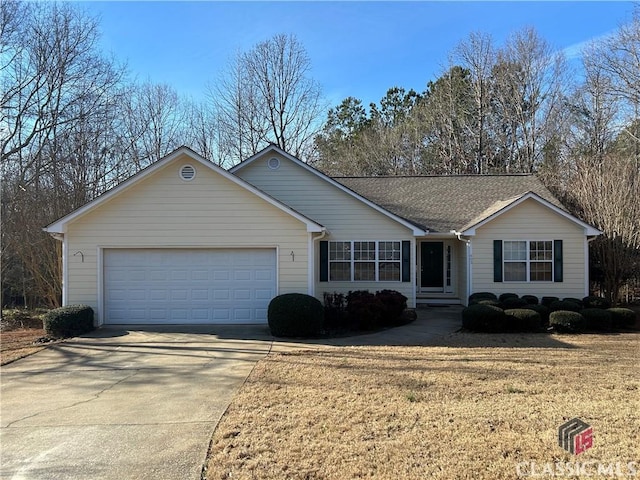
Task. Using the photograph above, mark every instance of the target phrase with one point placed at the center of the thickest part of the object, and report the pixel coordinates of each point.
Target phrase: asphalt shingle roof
(445, 203)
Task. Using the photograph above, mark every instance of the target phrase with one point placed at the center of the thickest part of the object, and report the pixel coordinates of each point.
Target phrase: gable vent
(273, 163)
(187, 172)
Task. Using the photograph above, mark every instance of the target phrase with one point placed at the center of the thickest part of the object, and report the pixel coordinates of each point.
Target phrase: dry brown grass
(16, 344)
(473, 409)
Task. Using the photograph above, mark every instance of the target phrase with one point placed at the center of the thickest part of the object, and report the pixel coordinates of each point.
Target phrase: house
(185, 241)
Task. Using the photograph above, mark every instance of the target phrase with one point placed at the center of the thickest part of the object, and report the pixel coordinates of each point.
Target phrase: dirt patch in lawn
(16, 344)
(479, 407)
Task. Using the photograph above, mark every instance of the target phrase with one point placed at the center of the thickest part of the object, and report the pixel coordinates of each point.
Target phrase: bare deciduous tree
(266, 96)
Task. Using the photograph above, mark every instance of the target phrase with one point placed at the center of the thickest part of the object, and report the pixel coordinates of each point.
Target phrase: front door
(432, 266)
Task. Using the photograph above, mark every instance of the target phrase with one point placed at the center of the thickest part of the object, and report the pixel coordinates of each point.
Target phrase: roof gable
(60, 225)
(502, 207)
(415, 227)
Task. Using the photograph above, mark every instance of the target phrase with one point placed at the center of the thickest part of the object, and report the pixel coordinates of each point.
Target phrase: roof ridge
(457, 175)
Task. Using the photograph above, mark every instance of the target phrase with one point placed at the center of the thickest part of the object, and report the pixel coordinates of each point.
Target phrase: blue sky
(358, 49)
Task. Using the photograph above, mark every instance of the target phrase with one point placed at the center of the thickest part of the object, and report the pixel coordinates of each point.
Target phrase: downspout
(469, 263)
(312, 260)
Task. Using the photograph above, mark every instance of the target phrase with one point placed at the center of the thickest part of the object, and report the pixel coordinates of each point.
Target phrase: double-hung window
(528, 261)
(361, 261)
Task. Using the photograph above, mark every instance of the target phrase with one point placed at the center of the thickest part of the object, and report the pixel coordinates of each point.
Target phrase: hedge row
(508, 312)
(300, 315)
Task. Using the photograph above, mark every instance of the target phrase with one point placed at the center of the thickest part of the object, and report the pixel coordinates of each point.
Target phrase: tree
(266, 96)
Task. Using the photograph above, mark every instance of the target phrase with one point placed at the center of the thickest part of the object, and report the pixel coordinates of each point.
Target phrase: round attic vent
(273, 163)
(187, 173)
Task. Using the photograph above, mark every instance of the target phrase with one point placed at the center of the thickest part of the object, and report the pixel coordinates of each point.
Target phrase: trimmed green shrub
(479, 296)
(364, 310)
(622, 317)
(542, 311)
(597, 319)
(504, 296)
(513, 302)
(564, 305)
(577, 301)
(530, 299)
(523, 320)
(595, 302)
(393, 304)
(565, 321)
(483, 318)
(547, 301)
(69, 321)
(295, 315)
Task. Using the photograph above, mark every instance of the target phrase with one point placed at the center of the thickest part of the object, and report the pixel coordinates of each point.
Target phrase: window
(528, 261)
(364, 261)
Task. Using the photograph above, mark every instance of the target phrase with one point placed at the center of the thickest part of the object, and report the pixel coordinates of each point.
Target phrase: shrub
(564, 305)
(547, 301)
(622, 317)
(514, 302)
(530, 299)
(523, 320)
(488, 301)
(597, 319)
(393, 304)
(364, 309)
(335, 310)
(542, 311)
(595, 302)
(478, 296)
(483, 318)
(577, 301)
(68, 321)
(295, 315)
(565, 321)
(504, 296)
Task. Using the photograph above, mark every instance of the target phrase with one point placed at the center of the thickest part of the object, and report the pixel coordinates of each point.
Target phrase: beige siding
(531, 221)
(345, 217)
(165, 211)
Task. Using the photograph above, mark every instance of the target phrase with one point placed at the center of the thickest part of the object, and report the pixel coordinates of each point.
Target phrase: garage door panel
(188, 286)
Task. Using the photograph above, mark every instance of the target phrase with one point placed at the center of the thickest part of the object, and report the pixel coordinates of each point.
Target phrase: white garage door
(173, 286)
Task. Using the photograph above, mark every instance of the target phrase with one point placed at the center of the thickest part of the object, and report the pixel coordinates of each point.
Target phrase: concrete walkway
(143, 404)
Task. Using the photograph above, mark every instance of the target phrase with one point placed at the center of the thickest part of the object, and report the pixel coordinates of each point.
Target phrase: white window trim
(528, 262)
(352, 261)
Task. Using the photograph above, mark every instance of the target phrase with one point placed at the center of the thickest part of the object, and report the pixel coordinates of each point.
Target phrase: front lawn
(476, 407)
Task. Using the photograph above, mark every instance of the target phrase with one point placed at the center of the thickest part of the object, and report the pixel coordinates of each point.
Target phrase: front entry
(432, 266)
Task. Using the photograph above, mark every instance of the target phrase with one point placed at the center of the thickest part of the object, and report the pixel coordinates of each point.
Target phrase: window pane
(515, 271)
(340, 271)
(541, 271)
(339, 250)
(364, 271)
(364, 251)
(389, 250)
(389, 272)
(541, 251)
(515, 250)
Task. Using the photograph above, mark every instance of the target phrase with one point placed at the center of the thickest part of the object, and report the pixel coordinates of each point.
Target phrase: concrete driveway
(143, 404)
(123, 404)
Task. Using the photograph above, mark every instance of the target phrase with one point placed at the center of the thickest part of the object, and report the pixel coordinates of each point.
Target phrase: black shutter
(406, 261)
(497, 260)
(557, 260)
(324, 261)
